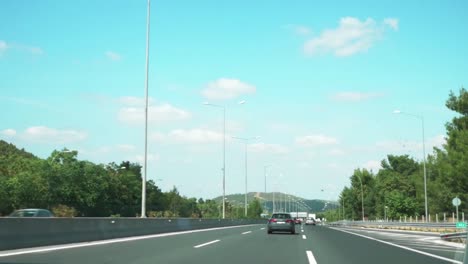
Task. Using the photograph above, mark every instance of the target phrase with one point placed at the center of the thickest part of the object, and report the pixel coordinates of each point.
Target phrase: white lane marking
(262, 228)
(304, 237)
(246, 232)
(400, 246)
(302, 230)
(310, 257)
(207, 243)
(108, 241)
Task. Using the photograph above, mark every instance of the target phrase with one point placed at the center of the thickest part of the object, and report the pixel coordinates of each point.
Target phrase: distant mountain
(315, 205)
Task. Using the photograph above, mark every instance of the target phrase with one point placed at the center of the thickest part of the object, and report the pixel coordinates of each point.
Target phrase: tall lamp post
(224, 150)
(246, 141)
(145, 166)
(421, 118)
(224, 153)
(265, 167)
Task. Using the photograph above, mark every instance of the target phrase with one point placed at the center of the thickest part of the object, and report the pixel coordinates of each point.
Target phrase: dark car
(281, 222)
(31, 213)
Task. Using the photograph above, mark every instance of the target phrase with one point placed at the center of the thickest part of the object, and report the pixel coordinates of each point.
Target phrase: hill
(315, 205)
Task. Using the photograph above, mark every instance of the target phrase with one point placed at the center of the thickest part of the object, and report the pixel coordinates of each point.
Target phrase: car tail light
(273, 220)
(289, 221)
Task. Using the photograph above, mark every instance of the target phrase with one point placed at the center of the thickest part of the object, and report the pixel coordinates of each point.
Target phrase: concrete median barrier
(18, 233)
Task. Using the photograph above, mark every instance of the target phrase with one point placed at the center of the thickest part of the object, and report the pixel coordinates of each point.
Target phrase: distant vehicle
(310, 221)
(298, 221)
(281, 222)
(313, 216)
(31, 213)
(302, 215)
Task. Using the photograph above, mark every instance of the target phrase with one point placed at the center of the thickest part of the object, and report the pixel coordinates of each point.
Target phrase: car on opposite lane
(31, 213)
(281, 222)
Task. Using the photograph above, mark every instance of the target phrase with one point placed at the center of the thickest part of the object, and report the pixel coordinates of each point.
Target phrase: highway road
(252, 244)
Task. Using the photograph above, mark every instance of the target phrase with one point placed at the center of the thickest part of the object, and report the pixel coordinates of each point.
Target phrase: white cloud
(406, 146)
(316, 140)
(437, 141)
(372, 165)
(160, 113)
(302, 30)
(42, 134)
(190, 136)
(234, 126)
(195, 136)
(224, 88)
(157, 137)
(336, 152)
(141, 158)
(8, 132)
(21, 47)
(355, 96)
(350, 37)
(34, 50)
(126, 147)
(3, 47)
(267, 148)
(392, 23)
(298, 29)
(113, 56)
(134, 101)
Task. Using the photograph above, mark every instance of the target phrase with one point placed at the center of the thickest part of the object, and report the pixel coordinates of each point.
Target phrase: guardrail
(395, 223)
(33, 232)
(450, 236)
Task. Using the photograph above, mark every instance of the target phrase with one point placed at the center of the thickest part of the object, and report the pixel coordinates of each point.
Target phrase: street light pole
(385, 213)
(224, 154)
(145, 167)
(224, 162)
(265, 174)
(420, 117)
(246, 141)
(245, 202)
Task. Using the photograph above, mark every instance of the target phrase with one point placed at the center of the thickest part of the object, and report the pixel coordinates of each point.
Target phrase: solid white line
(400, 246)
(246, 232)
(304, 237)
(310, 257)
(207, 243)
(104, 242)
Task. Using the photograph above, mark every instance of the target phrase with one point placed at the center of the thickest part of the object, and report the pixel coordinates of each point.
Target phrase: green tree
(255, 209)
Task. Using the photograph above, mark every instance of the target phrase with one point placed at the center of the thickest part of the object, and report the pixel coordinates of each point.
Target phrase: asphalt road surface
(252, 244)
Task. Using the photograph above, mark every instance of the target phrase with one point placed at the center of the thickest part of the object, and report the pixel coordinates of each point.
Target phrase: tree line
(397, 189)
(72, 187)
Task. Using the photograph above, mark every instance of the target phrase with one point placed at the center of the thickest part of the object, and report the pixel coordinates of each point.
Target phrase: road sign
(461, 225)
(456, 202)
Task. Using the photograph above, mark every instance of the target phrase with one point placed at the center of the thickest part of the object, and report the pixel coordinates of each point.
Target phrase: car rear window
(281, 216)
(29, 213)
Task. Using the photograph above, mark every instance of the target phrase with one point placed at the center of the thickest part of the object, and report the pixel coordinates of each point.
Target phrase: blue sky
(320, 81)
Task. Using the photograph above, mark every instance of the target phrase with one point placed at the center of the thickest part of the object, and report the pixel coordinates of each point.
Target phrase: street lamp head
(242, 102)
(397, 111)
(206, 103)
